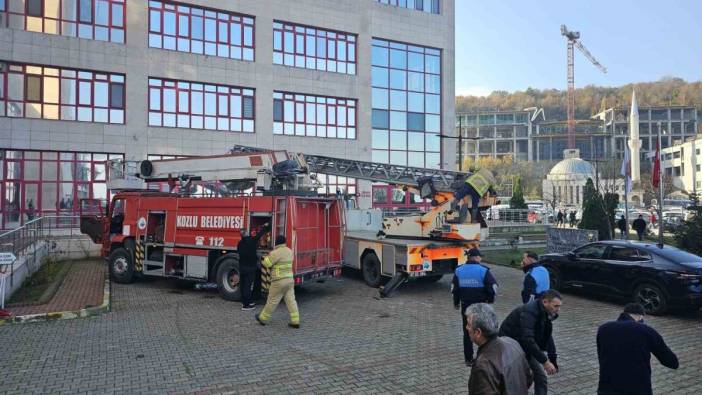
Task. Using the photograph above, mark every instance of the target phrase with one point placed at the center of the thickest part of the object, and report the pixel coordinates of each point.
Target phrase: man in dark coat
(530, 325)
(639, 226)
(472, 283)
(500, 367)
(621, 224)
(624, 349)
(248, 265)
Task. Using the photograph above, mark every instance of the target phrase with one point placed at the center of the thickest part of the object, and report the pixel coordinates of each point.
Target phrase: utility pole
(460, 143)
(660, 188)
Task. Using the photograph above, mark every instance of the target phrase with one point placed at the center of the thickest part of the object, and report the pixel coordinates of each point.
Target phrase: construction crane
(574, 41)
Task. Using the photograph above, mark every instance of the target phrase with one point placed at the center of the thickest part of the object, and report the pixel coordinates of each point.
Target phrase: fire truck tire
(228, 280)
(371, 270)
(121, 266)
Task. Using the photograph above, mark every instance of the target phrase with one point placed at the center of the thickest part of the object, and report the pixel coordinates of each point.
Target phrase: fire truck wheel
(121, 266)
(371, 270)
(228, 280)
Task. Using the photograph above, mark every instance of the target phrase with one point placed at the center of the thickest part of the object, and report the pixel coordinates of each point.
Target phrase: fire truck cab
(165, 235)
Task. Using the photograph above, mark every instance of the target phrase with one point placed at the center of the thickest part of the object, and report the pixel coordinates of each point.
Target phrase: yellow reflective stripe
(264, 316)
(267, 262)
(479, 183)
(295, 318)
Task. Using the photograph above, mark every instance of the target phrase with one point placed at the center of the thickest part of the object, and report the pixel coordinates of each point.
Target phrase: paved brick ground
(161, 339)
(82, 287)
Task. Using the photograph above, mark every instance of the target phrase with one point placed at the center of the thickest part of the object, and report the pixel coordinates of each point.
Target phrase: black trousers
(246, 283)
(467, 343)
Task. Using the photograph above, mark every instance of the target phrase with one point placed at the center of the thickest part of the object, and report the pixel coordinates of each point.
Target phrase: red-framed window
(391, 197)
(51, 183)
(35, 91)
(333, 185)
(430, 6)
(205, 31)
(102, 20)
(297, 114)
(314, 48)
(195, 105)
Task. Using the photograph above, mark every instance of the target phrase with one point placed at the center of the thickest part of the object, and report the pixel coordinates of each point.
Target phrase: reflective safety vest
(540, 276)
(481, 180)
(279, 263)
(471, 275)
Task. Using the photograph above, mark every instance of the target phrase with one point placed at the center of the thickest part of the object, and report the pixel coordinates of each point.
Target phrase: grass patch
(38, 283)
(509, 256)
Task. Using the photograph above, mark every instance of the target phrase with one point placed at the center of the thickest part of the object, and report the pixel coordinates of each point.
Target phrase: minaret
(634, 142)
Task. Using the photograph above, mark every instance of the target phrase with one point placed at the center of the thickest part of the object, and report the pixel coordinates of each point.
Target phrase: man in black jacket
(537, 280)
(530, 325)
(472, 283)
(248, 265)
(621, 224)
(624, 349)
(639, 226)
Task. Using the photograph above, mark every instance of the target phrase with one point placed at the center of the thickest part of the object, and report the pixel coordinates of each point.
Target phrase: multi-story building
(500, 133)
(677, 123)
(683, 162)
(85, 81)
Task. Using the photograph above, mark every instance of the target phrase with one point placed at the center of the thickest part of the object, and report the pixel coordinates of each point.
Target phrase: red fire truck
(166, 235)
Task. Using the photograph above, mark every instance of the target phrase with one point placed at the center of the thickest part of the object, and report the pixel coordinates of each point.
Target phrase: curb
(64, 315)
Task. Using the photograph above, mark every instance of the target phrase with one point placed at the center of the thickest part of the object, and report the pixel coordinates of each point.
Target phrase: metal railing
(514, 217)
(22, 241)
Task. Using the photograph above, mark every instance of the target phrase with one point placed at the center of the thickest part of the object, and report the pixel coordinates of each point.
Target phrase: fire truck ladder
(441, 180)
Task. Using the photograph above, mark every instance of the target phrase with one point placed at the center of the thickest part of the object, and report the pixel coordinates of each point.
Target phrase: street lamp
(460, 139)
(660, 187)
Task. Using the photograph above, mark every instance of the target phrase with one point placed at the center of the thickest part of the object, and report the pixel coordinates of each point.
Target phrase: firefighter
(248, 264)
(280, 264)
(476, 185)
(472, 283)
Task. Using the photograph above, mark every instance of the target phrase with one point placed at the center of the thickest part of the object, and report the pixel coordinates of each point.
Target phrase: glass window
(201, 31)
(591, 251)
(428, 6)
(33, 90)
(34, 8)
(86, 11)
(315, 48)
(315, 116)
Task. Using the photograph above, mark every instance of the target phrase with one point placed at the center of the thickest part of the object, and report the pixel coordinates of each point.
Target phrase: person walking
(280, 264)
(624, 349)
(639, 226)
(621, 224)
(500, 366)
(472, 283)
(571, 217)
(559, 219)
(531, 326)
(248, 264)
(536, 280)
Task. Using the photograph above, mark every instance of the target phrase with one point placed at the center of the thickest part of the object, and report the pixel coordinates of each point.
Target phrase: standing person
(248, 264)
(639, 226)
(536, 280)
(559, 218)
(572, 219)
(621, 224)
(280, 264)
(624, 349)
(500, 367)
(531, 325)
(653, 219)
(472, 283)
(30, 210)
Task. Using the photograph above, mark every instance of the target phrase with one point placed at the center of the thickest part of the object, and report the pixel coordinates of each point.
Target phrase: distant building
(683, 162)
(500, 133)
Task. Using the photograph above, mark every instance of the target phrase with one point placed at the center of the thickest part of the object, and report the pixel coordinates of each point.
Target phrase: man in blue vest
(536, 281)
(472, 283)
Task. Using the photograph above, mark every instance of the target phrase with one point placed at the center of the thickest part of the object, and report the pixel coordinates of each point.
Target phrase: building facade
(683, 162)
(524, 136)
(86, 81)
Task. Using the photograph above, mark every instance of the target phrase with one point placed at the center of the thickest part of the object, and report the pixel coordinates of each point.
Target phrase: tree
(517, 201)
(594, 214)
(688, 236)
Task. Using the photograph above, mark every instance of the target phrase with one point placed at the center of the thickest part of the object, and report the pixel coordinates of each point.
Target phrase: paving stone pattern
(163, 339)
(82, 287)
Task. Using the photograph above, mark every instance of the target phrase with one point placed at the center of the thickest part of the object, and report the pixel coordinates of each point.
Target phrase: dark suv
(658, 278)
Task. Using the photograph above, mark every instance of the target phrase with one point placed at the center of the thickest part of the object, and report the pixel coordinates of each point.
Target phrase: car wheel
(371, 270)
(652, 298)
(121, 266)
(228, 280)
(554, 276)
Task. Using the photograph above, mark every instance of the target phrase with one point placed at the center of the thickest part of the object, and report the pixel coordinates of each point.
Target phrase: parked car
(658, 278)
